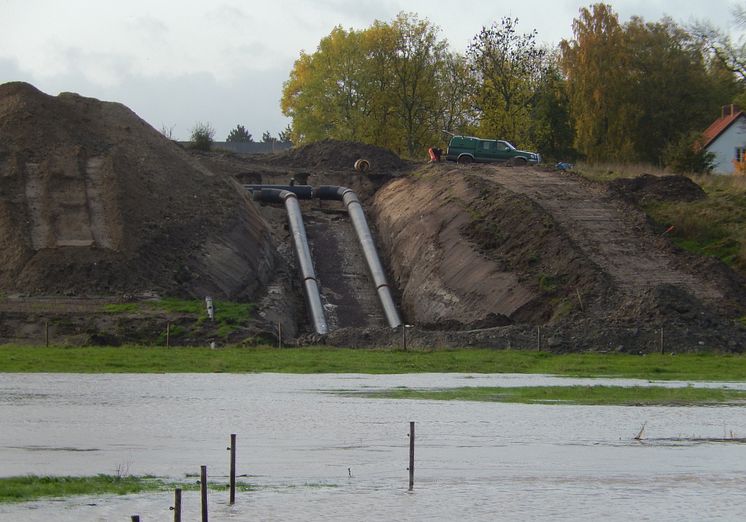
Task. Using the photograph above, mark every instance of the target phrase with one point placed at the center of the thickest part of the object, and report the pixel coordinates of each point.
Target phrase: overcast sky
(179, 62)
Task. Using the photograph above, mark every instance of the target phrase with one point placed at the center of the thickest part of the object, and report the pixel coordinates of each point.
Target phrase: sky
(223, 62)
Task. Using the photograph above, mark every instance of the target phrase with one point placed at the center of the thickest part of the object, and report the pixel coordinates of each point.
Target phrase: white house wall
(724, 146)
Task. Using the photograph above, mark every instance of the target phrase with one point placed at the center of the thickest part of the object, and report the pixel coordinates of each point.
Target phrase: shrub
(687, 155)
(202, 136)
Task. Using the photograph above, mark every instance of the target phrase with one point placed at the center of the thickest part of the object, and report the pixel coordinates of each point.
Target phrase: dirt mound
(541, 250)
(647, 187)
(94, 201)
(341, 155)
(464, 250)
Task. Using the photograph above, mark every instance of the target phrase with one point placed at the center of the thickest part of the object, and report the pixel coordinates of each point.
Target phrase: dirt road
(611, 234)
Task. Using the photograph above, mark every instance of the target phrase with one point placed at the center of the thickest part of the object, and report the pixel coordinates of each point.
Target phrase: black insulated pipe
(301, 191)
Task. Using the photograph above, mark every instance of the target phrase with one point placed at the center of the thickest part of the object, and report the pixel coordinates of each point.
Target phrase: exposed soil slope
(530, 246)
(466, 250)
(95, 201)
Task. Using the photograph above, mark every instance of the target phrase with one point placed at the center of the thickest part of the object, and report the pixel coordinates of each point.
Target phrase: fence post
(177, 505)
(411, 456)
(233, 469)
(203, 491)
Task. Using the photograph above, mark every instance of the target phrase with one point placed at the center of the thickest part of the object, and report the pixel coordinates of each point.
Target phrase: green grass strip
(33, 487)
(139, 359)
(583, 395)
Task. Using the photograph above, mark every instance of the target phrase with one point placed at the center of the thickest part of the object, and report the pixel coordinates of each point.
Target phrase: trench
(344, 281)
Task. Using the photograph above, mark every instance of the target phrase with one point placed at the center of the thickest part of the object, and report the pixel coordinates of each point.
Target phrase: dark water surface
(299, 445)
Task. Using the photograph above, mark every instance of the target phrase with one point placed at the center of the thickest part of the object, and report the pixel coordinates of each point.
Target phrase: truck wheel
(465, 160)
(519, 162)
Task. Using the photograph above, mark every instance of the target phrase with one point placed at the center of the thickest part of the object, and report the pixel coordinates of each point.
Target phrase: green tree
(379, 85)
(508, 68)
(593, 62)
(551, 126)
(240, 134)
(285, 135)
(636, 87)
(419, 54)
(268, 138)
(686, 155)
(324, 95)
(455, 112)
(202, 136)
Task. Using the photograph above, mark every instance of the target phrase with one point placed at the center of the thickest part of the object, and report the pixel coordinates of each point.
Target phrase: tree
(268, 138)
(455, 112)
(418, 56)
(324, 95)
(285, 135)
(636, 87)
(239, 134)
(551, 127)
(202, 136)
(686, 155)
(668, 83)
(592, 63)
(507, 68)
(379, 85)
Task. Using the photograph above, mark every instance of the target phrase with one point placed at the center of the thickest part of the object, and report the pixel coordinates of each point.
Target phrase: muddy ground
(101, 216)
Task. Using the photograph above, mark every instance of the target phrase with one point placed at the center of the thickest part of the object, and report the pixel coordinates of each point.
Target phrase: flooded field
(316, 455)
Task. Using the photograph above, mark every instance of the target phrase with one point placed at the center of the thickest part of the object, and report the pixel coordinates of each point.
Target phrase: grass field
(138, 359)
(587, 395)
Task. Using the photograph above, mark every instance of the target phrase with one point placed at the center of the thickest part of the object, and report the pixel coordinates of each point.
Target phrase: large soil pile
(341, 155)
(95, 201)
(646, 188)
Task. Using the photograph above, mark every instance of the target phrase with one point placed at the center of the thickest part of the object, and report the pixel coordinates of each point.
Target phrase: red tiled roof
(719, 126)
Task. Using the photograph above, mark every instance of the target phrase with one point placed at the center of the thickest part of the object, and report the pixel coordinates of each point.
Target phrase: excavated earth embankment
(93, 201)
(554, 260)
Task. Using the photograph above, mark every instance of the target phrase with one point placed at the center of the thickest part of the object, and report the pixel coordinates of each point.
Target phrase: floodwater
(315, 455)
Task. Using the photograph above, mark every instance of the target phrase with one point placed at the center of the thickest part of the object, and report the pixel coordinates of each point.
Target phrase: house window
(740, 152)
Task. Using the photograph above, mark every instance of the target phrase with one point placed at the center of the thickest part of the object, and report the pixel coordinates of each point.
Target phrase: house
(726, 139)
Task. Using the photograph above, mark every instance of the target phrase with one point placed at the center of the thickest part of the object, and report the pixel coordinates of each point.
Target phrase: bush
(686, 155)
(202, 135)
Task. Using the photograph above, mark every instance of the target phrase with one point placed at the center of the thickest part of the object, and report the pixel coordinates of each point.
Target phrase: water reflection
(475, 461)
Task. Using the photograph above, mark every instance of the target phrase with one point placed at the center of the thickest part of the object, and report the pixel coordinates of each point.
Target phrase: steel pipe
(355, 210)
(302, 252)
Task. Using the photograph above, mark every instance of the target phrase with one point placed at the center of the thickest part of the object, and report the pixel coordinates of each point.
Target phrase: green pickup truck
(467, 149)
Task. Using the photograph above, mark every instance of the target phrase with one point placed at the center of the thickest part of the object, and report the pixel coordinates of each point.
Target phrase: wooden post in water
(411, 456)
(177, 505)
(233, 468)
(203, 491)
